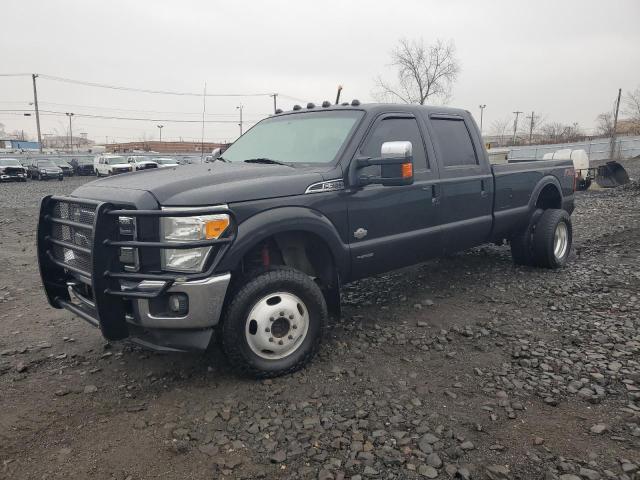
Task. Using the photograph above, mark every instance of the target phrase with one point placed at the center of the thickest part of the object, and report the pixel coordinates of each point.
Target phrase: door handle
(435, 200)
(483, 191)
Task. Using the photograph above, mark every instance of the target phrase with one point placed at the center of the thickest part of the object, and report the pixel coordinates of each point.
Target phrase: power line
(108, 117)
(144, 90)
(135, 110)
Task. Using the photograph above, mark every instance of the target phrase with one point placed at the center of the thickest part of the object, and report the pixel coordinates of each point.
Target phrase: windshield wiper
(268, 161)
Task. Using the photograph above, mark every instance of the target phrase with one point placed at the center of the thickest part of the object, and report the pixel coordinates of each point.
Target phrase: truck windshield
(302, 138)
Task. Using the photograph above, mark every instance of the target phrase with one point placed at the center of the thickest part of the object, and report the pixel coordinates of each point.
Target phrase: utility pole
(70, 131)
(515, 126)
(35, 103)
(275, 106)
(615, 126)
(239, 107)
(532, 118)
(481, 115)
(204, 110)
(160, 128)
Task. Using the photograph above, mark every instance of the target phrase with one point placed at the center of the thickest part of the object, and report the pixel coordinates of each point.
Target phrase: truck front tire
(274, 324)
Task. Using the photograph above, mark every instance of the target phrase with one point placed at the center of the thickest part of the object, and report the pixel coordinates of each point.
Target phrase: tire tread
(232, 336)
(544, 235)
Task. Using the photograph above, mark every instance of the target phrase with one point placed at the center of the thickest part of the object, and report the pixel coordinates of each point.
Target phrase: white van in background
(106, 165)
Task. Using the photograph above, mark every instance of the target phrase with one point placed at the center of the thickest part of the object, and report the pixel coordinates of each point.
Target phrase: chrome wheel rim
(560, 240)
(277, 325)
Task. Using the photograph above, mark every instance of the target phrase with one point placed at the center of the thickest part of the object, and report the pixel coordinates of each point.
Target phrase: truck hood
(208, 184)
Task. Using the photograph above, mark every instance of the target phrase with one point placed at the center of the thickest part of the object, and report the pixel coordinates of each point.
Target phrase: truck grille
(86, 246)
(77, 230)
(13, 171)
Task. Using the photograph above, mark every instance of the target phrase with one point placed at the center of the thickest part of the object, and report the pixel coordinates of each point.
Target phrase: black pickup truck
(257, 243)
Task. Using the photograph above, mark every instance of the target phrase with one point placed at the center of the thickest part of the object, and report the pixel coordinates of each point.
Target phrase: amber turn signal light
(214, 228)
(407, 170)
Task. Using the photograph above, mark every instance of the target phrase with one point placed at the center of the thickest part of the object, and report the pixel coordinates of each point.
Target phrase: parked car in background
(141, 163)
(106, 165)
(189, 160)
(82, 166)
(40, 169)
(67, 169)
(167, 162)
(12, 170)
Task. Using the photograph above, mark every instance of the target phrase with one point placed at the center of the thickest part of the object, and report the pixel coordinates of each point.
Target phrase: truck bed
(515, 187)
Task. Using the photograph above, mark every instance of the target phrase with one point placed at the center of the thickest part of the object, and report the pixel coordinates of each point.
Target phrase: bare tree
(632, 110)
(573, 133)
(552, 132)
(604, 125)
(527, 128)
(500, 127)
(424, 72)
(556, 132)
(632, 105)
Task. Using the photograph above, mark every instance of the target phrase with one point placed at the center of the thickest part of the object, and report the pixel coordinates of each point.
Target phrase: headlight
(190, 229)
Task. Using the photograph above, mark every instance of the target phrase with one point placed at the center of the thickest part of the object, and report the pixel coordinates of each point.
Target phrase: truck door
(393, 226)
(466, 183)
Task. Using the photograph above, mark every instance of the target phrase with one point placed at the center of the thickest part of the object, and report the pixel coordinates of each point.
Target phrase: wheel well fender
(270, 223)
(546, 194)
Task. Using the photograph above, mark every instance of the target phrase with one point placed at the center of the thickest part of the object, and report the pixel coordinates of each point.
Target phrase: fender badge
(360, 233)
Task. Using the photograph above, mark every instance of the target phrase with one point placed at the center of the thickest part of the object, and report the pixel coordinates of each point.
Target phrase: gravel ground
(465, 367)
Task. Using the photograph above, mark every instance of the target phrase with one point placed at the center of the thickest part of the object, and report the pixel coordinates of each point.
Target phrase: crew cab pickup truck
(257, 243)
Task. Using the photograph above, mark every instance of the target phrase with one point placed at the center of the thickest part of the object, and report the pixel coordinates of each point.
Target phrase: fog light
(127, 255)
(179, 303)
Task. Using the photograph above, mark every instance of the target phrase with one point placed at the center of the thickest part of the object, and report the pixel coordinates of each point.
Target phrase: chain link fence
(597, 149)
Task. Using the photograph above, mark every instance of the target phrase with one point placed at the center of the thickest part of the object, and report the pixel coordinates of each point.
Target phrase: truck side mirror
(396, 165)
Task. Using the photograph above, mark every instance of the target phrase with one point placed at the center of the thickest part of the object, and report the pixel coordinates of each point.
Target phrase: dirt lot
(466, 367)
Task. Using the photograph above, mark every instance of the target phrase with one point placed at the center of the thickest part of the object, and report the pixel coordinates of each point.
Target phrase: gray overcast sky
(564, 59)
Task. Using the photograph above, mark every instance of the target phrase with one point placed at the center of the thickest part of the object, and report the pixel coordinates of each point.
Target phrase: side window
(453, 143)
(392, 130)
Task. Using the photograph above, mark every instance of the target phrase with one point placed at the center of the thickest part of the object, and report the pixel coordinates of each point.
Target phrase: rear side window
(393, 130)
(453, 143)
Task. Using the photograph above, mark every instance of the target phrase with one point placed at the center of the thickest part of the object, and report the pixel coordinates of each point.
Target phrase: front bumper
(13, 177)
(205, 298)
(79, 248)
(189, 332)
(48, 175)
